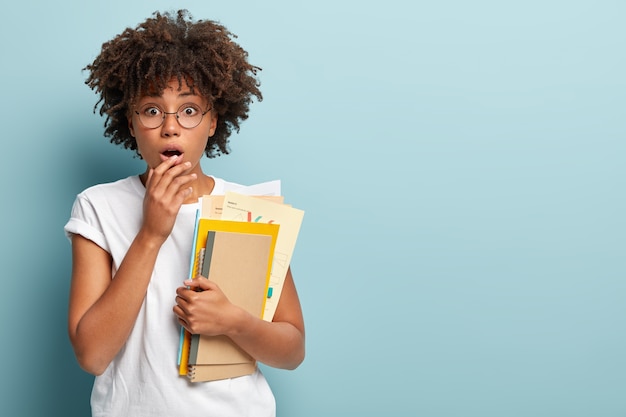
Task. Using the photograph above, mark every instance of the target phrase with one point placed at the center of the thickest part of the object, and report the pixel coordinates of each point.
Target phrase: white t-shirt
(143, 378)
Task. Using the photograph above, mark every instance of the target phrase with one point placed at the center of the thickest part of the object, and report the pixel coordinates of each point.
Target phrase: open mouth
(171, 153)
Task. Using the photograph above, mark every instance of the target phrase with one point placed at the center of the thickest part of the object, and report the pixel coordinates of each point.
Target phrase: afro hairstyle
(201, 53)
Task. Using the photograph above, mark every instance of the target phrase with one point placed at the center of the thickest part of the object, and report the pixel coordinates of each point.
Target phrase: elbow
(296, 359)
(288, 359)
(295, 363)
(298, 355)
(89, 359)
(300, 359)
(88, 353)
(91, 363)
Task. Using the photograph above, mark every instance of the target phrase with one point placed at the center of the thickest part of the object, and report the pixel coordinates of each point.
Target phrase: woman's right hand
(167, 187)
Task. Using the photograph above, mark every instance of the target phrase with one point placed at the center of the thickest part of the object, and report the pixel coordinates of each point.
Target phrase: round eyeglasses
(188, 115)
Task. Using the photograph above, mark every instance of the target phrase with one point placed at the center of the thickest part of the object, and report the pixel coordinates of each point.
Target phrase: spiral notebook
(238, 257)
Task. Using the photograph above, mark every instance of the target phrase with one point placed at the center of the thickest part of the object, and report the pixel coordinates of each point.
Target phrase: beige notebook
(238, 263)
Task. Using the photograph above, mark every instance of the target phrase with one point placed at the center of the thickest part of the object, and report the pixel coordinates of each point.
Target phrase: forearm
(104, 327)
(277, 344)
(203, 308)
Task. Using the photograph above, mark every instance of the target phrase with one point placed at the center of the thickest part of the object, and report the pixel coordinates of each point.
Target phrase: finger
(177, 170)
(167, 171)
(173, 186)
(200, 283)
(164, 167)
(184, 296)
(183, 323)
(175, 180)
(179, 311)
(168, 163)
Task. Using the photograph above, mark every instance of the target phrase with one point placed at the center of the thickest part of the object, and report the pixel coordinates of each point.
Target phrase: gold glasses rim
(176, 113)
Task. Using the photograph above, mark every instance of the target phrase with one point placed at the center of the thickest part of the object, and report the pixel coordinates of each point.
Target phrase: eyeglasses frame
(165, 113)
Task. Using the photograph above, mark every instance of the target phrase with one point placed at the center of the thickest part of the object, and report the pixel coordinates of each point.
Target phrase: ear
(213, 124)
(130, 126)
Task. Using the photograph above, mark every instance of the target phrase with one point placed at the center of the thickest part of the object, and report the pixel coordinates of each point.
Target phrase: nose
(170, 125)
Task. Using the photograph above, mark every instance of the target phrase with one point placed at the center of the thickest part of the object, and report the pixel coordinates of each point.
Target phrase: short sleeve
(85, 221)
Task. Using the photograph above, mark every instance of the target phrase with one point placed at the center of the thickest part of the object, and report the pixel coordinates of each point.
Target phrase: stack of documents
(244, 244)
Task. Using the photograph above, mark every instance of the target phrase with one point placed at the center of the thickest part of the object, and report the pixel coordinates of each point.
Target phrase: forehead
(173, 89)
(158, 87)
(158, 84)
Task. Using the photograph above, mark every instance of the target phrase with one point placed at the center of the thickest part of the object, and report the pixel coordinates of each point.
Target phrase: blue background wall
(461, 165)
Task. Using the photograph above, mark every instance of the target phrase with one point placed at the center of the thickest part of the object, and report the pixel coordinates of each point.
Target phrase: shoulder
(124, 187)
(104, 207)
(125, 195)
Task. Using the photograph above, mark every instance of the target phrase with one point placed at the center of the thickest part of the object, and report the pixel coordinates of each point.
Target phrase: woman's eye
(189, 111)
(152, 111)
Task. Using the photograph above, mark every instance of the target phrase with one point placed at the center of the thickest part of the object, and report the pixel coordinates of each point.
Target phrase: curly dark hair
(201, 53)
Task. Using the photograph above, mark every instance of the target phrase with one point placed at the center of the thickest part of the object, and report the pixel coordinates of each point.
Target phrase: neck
(203, 185)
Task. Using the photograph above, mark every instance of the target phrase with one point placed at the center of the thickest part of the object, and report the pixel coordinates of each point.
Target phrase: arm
(102, 310)
(279, 343)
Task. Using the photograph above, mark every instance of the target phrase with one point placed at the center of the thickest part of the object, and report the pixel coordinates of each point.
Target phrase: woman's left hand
(202, 308)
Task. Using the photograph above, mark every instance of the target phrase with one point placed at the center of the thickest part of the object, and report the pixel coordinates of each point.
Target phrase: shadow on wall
(99, 162)
(63, 388)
